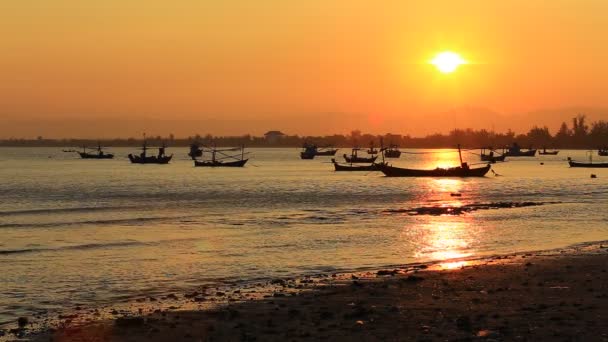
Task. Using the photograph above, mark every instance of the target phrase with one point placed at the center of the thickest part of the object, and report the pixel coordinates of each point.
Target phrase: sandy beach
(552, 295)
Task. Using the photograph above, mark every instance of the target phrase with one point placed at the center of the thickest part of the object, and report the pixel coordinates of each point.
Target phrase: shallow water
(97, 231)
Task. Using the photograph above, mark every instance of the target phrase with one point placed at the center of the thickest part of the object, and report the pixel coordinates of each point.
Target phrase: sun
(447, 61)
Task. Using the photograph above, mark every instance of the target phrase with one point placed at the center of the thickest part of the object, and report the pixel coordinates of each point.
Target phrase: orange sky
(119, 67)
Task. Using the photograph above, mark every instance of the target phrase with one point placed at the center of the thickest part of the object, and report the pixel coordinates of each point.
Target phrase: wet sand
(554, 295)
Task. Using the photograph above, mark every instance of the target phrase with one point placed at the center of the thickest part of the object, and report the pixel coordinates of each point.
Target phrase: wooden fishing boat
(351, 167)
(587, 165)
(491, 157)
(354, 158)
(392, 152)
(602, 152)
(516, 151)
(94, 155)
(372, 149)
(225, 158)
(312, 150)
(309, 152)
(544, 152)
(195, 151)
(143, 158)
(327, 152)
(209, 163)
(459, 171)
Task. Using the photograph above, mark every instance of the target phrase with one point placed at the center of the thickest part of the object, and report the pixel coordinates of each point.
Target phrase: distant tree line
(578, 135)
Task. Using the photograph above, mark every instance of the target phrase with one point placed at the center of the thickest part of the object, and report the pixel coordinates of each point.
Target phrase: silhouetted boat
(225, 159)
(392, 152)
(327, 152)
(588, 165)
(516, 151)
(351, 167)
(143, 158)
(544, 152)
(353, 158)
(602, 152)
(312, 150)
(491, 157)
(372, 149)
(95, 155)
(460, 171)
(195, 151)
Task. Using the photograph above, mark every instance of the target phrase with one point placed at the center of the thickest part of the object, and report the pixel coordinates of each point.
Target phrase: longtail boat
(544, 152)
(491, 157)
(516, 151)
(94, 155)
(225, 159)
(392, 152)
(459, 171)
(372, 149)
(312, 150)
(351, 167)
(353, 158)
(143, 158)
(195, 150)
(590, 164)
(587, 165)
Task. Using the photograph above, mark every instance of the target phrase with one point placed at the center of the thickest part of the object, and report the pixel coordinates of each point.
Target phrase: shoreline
(151, 318)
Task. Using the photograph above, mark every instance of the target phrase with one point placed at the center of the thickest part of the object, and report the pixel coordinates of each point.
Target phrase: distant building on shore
(273, 136)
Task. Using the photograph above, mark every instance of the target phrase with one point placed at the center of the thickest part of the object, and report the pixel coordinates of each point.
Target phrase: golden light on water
(444, 240)
(447, 61)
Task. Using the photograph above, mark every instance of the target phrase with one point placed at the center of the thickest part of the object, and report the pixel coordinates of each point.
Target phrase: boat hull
(326, 153)
(391, 171)
(354, 159)
(354, 168)
(492, 159)
(305, 155)
(602, 153)
(237, 163)
(587, 165)
(95, 156)
(548, 153)
(150, 160)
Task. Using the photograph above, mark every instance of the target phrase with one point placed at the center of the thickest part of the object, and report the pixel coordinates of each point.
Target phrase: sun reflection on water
(443, 240)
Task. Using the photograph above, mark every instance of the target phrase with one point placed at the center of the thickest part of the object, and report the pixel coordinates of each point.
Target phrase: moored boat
(603, 152)
(354, 158)
(143, 158)
(351, 167)
(516, 151)
(491, 157)
(312, 150)
(225, 159)
(544, 152)
(95, 155)
(587, 165)
(459, 171)
(392, 152)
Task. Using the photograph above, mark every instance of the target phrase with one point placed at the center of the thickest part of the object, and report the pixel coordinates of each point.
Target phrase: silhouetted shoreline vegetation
(577, 135)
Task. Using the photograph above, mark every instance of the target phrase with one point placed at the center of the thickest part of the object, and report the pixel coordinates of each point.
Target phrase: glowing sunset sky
(76, 68)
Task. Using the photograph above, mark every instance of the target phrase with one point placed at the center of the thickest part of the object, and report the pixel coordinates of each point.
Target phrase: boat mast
(459, 154)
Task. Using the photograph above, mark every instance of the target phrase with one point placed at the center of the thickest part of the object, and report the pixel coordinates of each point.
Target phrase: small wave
(460, 210)
(138, 220)
(59, 210)
(76, 247)
(88, 246)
